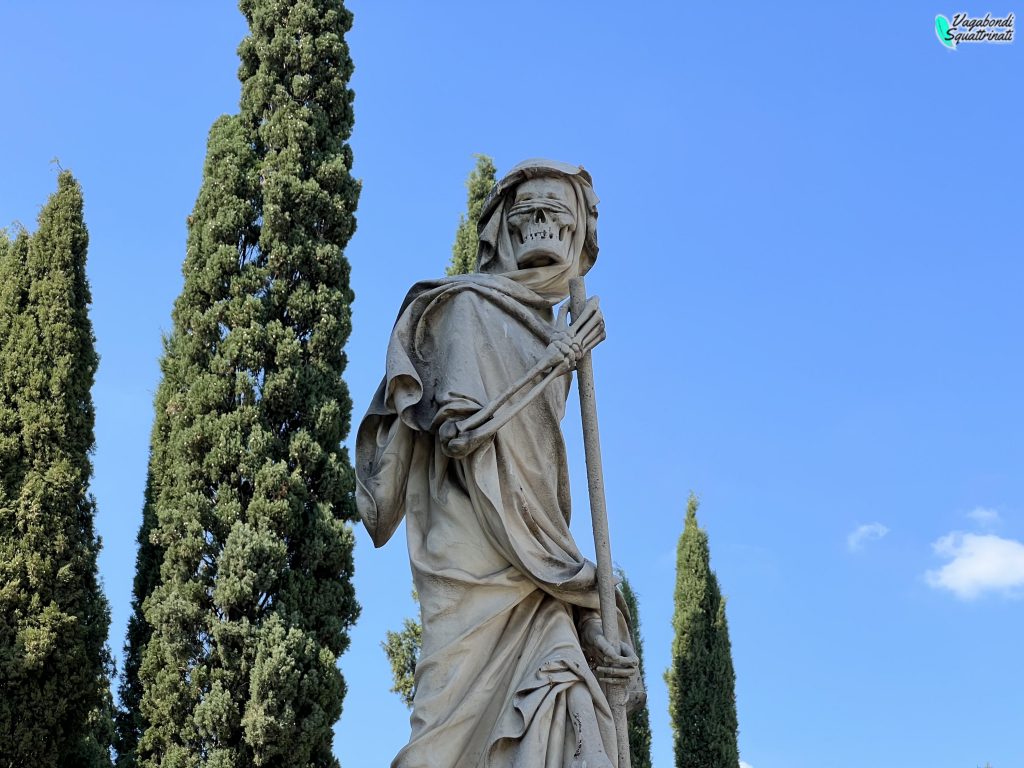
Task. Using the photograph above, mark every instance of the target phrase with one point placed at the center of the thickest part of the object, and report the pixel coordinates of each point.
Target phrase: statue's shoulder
(469, 301)
(466, 287)
(482, 280)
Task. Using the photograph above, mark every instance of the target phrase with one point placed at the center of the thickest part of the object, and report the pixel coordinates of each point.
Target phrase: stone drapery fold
(502, 585)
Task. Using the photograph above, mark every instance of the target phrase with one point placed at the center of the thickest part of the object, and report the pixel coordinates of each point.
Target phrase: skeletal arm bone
(461, 442)
(568, 344)
(485, 413)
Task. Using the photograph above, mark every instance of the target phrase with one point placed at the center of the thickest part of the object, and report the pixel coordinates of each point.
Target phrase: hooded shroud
(502, 585)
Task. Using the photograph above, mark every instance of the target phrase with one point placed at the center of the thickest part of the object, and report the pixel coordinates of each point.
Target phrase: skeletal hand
(570, 342)
(457, 444)
(611, 665)
(567, 345)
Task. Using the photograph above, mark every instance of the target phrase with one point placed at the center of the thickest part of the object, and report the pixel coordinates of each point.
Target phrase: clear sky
(812, 273)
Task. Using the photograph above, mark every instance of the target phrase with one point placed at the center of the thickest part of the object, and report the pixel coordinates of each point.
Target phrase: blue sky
(811, 268)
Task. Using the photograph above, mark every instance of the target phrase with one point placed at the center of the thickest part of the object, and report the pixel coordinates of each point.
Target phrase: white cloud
(744, 764)
(855, 541)
(984, 516)
(978, 563)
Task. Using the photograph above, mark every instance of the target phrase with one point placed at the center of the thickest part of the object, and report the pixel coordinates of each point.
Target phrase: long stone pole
(615, 690)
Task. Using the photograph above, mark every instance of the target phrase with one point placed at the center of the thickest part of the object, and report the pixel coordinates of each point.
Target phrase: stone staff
(615, 688)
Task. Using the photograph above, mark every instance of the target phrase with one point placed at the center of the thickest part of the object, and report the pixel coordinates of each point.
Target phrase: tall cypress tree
(479, 183)
(701, 681)
(640, 719)
(54, 666)
(252, 492)
(129, 720)
(13, 294)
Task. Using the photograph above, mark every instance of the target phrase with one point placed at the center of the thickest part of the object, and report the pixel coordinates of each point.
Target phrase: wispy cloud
(978, 564)
(744, 764)
(862, 534)
(984, 516)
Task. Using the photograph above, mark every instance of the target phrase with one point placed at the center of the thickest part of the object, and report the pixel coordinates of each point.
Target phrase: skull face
(541, 222)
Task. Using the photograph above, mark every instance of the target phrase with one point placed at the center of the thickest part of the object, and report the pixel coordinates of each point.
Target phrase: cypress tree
(403, 651)
(129, 720)
(479, 183)
(701, 681)
(13, 294)
(640, 719)
(251, 491)
(54, 666)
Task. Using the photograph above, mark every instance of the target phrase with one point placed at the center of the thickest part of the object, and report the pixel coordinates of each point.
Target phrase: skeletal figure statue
(463, 440)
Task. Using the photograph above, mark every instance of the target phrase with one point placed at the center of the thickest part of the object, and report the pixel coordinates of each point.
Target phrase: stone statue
(463, 439)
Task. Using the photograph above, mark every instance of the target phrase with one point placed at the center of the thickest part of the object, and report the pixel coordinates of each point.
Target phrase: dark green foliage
(480, 182)
(129, 720)
(13, 296)
(55, 670)
(403, 651)
(640, 720)
(250, 491)
(701, 682)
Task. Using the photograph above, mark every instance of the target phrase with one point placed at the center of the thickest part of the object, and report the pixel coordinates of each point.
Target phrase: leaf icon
(942, 30)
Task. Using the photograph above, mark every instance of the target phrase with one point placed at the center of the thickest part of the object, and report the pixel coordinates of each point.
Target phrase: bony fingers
(570, 354)
(615, 672)
(563, 314)
(591, 341)
(554, 355)
(584, 327)
(588, 321)
(583, 331)
(561, 344)
(589, 332)
(582, 318)
(607, 649)
(449, 430)
(626, 659)
(595, 340)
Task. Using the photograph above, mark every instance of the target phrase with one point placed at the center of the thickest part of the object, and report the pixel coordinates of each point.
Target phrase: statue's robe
(502, 586)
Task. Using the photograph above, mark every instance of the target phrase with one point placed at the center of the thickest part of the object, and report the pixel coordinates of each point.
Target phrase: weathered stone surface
(463, 439)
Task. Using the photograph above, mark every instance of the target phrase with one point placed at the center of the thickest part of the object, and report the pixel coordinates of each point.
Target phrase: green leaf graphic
(941, 29)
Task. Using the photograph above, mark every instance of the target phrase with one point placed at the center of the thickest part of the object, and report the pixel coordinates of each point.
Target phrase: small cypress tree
(252, 491)
(403, 651)
(640, 719)
(479, 183)
(701, 681)
(54, 666)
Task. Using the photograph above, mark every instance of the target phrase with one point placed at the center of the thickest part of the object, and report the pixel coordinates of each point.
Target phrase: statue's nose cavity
(539, 218)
